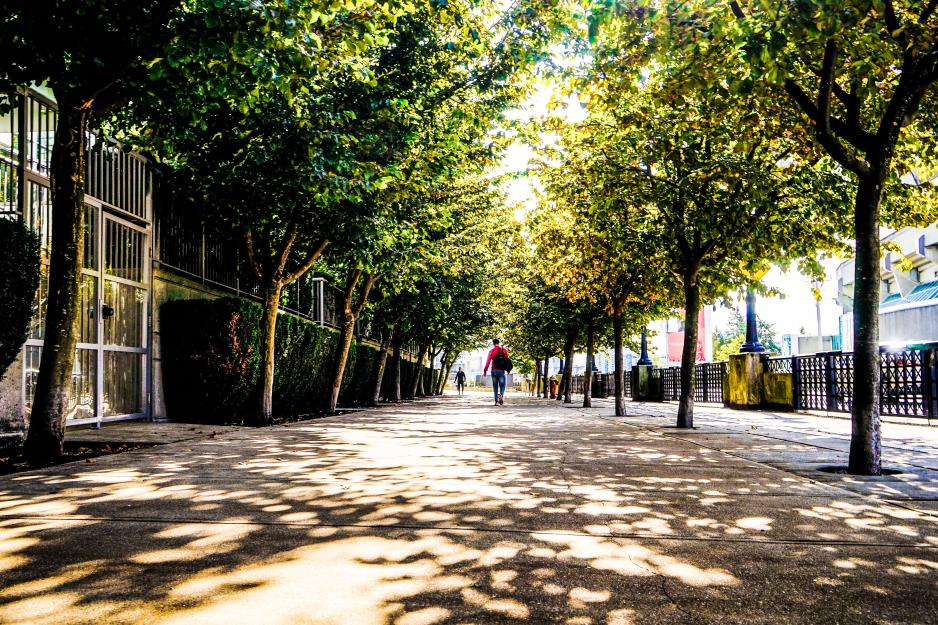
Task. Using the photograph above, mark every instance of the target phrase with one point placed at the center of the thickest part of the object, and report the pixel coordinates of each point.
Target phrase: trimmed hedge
(211, 364)
(19, 278)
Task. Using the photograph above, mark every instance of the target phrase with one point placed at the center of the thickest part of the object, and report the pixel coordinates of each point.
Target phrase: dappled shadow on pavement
(454, 512)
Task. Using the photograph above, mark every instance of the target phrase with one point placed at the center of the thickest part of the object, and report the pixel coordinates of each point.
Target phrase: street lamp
(752, 344)
(644, 360)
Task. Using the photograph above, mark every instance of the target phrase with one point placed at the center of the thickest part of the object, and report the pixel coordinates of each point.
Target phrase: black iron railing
(907, 384)
(216, 258)
(708, 382)
(822, 382)
(671, 384)
(778, 365)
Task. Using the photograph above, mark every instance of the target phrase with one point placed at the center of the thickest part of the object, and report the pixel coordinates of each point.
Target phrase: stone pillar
(745, 380)
(641, 383)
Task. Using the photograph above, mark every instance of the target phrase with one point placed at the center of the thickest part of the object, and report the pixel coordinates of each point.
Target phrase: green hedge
(211, 365)
(19, 277)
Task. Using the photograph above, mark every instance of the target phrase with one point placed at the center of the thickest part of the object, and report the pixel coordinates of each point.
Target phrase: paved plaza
(453, 512)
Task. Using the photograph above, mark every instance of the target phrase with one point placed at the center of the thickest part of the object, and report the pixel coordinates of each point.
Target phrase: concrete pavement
(452, 512)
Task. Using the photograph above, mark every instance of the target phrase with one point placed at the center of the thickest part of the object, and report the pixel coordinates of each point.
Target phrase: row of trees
(346, 136)
(723, 136)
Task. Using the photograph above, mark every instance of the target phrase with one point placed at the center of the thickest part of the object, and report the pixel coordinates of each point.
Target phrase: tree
(301, 172)
(600, 247)
(99, 56)
(861, 77)
(728, 340)
(722, 182)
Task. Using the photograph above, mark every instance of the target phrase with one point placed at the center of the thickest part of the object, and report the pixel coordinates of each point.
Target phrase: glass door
(124, 302)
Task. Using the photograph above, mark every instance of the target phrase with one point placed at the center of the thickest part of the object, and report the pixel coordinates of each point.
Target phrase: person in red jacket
(499, 376)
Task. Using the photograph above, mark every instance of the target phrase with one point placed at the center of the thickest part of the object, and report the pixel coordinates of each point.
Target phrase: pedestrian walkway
(453, 512)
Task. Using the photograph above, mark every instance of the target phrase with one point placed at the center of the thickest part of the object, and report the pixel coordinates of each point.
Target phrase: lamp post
(752, 344)
(644, 359)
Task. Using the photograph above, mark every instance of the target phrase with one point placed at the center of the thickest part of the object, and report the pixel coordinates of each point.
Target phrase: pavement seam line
(489, 530)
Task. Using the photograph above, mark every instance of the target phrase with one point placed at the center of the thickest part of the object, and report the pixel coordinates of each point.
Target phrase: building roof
(923, 292)
(891, 299)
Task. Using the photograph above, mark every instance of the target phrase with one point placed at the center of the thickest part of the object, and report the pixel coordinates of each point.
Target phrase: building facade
(140, 251)
(908, 290)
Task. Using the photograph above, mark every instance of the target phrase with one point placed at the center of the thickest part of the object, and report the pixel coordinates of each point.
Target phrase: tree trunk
(865, 453)
(685, 410)
(432, 390)
(46, 433)
(345, 344)
(563, 393)
(619, 365)
(351, 311)
(415, 384)
(588, 373)
(568, 370)
(547, 376)
(271, 305)
(536, 384)
(444, 378)
(441, 375)
(396, 384)
(382, 363)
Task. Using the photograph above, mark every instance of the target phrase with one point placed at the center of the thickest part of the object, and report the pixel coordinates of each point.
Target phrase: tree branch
(892, 20)
(928, 12)
(370, 280)
(350, 285)
(827, 86)
(285, 248)
(307, 263)
(834, 147)
(252, 258)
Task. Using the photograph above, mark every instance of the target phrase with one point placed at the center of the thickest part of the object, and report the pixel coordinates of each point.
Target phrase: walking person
(460, 380)
(501, 365)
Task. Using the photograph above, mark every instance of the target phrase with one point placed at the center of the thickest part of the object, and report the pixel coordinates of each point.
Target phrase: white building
(908, 290)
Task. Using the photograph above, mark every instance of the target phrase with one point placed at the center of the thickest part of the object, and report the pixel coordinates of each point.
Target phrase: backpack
(502, 361)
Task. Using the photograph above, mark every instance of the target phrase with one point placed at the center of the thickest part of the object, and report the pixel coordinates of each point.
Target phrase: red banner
(676, 340)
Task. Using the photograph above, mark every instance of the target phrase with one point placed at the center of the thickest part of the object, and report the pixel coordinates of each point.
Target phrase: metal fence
(708, 382)
(670, 384)
(212, 256)
(604, 384)
(708, 378)
(824, 382)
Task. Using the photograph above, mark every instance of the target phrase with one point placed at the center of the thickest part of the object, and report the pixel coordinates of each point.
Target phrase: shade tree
(97, 57)
(861, 77)
(723, 185)
(599, 244)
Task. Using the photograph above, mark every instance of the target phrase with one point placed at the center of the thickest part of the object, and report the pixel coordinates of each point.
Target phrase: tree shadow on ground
(450, 513)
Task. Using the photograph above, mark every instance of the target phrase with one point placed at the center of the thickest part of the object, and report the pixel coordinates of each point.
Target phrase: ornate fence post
(796, 383)
(830, 383)
(930, 381)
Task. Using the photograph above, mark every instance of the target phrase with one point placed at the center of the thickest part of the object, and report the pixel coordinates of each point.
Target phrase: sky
(793, 311)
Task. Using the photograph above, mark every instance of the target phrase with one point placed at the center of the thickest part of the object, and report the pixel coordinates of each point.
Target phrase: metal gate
(110, 374)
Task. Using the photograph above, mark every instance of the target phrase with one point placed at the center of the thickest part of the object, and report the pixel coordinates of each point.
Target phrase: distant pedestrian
(501, 365)
(460, 380)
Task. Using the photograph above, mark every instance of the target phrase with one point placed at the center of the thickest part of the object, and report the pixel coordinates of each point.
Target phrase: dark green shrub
(19, 278)
(303, 371)
(358, 382)
(210, 359)
(209, 352)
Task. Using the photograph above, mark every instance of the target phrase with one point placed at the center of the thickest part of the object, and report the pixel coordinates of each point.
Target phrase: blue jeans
(499, 379)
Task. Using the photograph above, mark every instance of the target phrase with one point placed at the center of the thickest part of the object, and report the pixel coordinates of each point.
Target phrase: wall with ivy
(210, 363)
